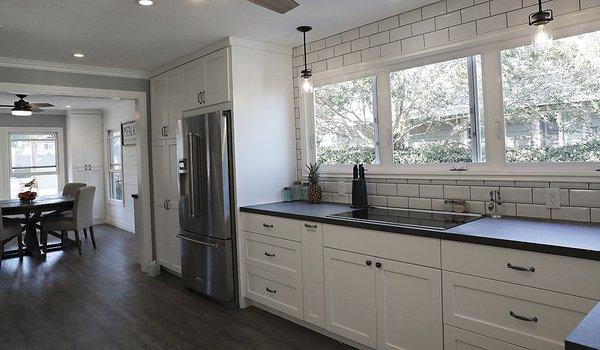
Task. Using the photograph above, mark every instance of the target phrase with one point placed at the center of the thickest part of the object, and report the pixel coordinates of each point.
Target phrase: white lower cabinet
(278, 292)
(458, 339)
(312, 273)
(350, 296)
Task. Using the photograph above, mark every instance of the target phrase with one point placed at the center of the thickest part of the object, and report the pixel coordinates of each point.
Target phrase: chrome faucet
(495, 203)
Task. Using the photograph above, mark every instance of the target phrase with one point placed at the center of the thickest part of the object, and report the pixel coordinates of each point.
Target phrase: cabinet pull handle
(523, 318)
(199, 97)
(267, 226)
(204, 97)
(368, 262)
(166, 133)
(165, 204)
(520, 268)
(269, 254)
(378, 265)
(271, 290)
(168, 204)
(310, 226)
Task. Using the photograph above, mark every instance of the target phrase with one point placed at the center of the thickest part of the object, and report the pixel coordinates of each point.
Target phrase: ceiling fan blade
(280, 6)
(41, 105)
(36, 110)
(11, 106)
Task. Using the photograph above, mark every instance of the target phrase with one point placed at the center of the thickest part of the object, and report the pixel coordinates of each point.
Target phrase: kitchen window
(33, 156)
(345, 122)
(552, 101)
(115, 166)
(436, 113)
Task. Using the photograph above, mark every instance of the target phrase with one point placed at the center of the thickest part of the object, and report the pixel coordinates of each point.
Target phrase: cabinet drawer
(275, 255)
(529, 317)
(458, 339)
(577, 276)
(410, 249)
(278, 292)
(272, 226)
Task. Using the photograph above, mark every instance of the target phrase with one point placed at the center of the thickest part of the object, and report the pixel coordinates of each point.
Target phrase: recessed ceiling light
(145, 2)
(78, 55)
(67, 106)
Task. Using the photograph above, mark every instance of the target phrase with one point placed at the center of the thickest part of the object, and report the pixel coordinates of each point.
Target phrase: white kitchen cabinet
(85, 156)
(166, 204)
(458, 339)
(167, 104)
(409, 306)
(350, 296)
(159, 107)
(206, 80)
(312, 271)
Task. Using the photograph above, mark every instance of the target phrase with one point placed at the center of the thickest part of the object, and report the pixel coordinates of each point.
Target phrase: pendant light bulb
(21, 113)
(307, 85)
(542, 37)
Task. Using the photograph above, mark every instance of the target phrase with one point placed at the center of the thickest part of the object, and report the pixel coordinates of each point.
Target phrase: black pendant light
(306, 74)
(541, 36)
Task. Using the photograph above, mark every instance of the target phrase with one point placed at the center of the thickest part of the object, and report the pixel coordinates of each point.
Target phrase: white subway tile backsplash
(397, 202)
(533, 211)
(501, 6)
(585, 4)
(431, 191)
(419, 181)
(443, 182)
(463, 31)
(335, 62)
(447, 20)
(400, 33)
(360, 44)
(585, 198)
(574, 185)
(469, 182)
(476, 12)
(408, 190)
(326, 53)
(437, 38)
(562, 7)
(491, 24)
(388, 23)
(480, 193)
(538, 184)
(391, 49)
(499, 183)
(516, 194)
(506, 209)
(459, 4)
(595, 186)
(350, 35)
(595, 213)
(371, 54)
(340, 198)
(342, 49)
(412, 44)
(410, 17)
(368, 30)
(435, 9)
(457, 192)
(476, 207)
(371, 188)
(422, 27)
(319, 66)
(352, 58)
(437, 204)
(379, 39)
(317, 45)
(377, 200)
(419, 203)
(386, 189)
(571, 213)
(333, 40)
(539, 196)
(520, 16)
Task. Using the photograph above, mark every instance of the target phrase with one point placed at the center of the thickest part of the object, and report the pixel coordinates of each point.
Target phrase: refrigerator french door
(205, 206)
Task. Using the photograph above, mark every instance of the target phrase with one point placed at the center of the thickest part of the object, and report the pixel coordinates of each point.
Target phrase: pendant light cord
(305, 64)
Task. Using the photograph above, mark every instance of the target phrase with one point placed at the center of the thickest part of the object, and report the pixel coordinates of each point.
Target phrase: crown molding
(72, 68)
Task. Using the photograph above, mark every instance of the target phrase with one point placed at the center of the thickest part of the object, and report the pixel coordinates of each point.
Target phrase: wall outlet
(341, 187)
(552, 198)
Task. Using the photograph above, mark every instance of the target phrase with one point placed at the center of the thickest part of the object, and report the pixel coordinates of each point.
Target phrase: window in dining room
(34, 155)
(115, 166)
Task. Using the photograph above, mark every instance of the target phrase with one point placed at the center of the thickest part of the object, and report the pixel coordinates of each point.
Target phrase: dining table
(30, 214)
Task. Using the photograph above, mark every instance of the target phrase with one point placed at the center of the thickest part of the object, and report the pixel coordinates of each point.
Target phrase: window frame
(6, 161)
(30, 174)
(496, 167)
(110, 135)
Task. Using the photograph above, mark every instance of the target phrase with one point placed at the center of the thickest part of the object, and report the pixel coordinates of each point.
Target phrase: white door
(409, 306)
(159, 178)
(174, 102)
(159, 91)
(216, 66)
(350, 296)
(312, 273)
(94, 176)
(194, 83)
(94, 141)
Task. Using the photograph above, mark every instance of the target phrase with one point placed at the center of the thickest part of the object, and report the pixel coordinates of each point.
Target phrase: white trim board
(121, 224)
(10, 62)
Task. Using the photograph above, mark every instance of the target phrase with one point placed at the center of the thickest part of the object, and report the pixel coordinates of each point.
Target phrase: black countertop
(567, 238)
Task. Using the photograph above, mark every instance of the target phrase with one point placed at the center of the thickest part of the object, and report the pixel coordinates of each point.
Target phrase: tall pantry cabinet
(209, 81)
(85, 155)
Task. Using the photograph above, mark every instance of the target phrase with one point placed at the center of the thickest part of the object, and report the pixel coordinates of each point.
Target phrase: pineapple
(314, 190)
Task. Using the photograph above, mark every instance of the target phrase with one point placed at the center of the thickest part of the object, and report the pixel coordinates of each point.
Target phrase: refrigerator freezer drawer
(207, 266)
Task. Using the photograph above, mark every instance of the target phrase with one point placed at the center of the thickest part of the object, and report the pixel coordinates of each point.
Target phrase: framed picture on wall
(128, 133)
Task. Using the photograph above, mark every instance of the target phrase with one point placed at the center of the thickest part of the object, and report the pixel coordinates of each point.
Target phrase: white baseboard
(121, 224)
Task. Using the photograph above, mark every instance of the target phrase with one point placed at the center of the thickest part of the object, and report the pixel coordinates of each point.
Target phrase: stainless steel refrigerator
(206, 206)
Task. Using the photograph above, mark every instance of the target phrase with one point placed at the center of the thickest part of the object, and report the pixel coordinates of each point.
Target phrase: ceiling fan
(280, 6)
(22, 108)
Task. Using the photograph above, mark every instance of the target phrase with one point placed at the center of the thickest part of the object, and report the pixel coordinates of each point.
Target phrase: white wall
(121, 214)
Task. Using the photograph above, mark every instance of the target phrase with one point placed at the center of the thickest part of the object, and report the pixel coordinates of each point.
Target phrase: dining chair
(70, 189)
(8, 232)
(81, 219)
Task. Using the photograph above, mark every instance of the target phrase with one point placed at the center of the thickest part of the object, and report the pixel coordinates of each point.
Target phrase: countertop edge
(582, 338)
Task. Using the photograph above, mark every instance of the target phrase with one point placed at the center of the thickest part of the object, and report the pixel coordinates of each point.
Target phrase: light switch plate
(341, 187)
(552, 198)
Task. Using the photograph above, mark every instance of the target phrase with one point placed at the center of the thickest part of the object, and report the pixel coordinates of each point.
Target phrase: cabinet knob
(267, 226)
(368, 262)
(378, 265)
(269, 254)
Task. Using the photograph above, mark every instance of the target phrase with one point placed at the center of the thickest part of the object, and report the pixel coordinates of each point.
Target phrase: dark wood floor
(101, 300)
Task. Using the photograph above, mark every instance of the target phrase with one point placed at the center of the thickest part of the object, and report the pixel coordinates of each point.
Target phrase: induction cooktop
(430, 219)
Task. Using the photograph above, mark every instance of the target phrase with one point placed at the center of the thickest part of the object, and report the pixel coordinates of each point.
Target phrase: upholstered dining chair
(70, 189)
(81, 219)
(8, 232)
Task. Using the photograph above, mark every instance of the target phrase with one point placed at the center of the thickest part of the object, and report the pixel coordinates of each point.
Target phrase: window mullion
(384, 116)
(493, 100)
(474, 110)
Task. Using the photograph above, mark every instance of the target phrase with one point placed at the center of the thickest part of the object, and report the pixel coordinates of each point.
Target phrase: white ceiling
(122, 34)
(61, 102)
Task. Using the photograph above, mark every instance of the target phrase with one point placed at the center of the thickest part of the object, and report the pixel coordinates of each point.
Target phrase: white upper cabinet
(85, 140)
(206, 80)
(167, 104)
(158, 91)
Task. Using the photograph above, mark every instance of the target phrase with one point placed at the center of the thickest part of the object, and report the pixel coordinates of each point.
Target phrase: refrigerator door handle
(213, 245)
(192, 174)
